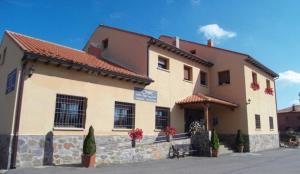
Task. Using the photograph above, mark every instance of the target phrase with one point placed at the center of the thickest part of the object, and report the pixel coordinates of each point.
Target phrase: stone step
(224, 150)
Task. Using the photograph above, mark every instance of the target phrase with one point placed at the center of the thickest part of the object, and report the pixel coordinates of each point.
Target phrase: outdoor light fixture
(248, 101)
(30, 71)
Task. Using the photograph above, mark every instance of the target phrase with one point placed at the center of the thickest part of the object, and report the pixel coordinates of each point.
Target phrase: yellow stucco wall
(261, 103)
(8, 101)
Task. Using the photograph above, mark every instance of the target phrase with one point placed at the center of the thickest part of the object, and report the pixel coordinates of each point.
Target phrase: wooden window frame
(254, 77)
(189, 70)
(226, 75)
(271, 123)
(163, 122)
(203, 82)
(105, 43)
(268, 83)
(166, 61)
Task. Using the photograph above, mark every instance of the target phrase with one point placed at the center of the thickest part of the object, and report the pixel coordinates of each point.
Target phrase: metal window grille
(163, 63)
(124, 115)
(70, 111)
(271, 123)
(162, 117)
(257, 122)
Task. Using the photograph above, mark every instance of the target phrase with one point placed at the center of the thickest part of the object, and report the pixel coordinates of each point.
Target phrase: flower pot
(133, 143)
(241, 148)
(88, 160)
(215, 152)
(169, 138)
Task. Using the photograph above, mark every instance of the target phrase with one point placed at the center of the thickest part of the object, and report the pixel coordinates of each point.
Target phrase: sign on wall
(11, 81)
(145, 95)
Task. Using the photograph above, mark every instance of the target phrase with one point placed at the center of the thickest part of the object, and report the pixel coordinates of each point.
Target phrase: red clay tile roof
(294, 108)
(52, 50)
(201, 98)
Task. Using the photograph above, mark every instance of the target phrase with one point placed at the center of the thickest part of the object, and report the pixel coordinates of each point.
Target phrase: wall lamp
(30, 71)
(248, 101)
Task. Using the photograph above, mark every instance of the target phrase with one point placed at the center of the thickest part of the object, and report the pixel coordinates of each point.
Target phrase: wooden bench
(179, 152)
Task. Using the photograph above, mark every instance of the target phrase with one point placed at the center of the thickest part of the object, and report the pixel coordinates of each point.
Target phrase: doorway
(191, 115)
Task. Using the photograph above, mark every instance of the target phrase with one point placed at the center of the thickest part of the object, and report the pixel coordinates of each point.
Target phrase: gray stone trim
(263, 142)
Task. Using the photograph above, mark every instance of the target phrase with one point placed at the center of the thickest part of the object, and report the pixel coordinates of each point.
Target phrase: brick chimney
(94, 51)
(177, 42)
(210, 43)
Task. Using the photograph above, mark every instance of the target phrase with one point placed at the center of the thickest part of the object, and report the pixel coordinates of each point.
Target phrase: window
(105, 43)
(163, 63)
(124, 115)
(203, 78)
(268, 84)
(162, 116)
(11, 81)
(271, 122)
(254, 77)
(188, 73)
(2, 57)
(257, 122)
(70, 111)
(224, 77)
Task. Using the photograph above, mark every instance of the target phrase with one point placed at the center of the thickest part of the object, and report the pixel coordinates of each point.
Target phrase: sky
(268, 30)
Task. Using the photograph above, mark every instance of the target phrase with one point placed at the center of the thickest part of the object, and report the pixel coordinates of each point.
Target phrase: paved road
(282, 161)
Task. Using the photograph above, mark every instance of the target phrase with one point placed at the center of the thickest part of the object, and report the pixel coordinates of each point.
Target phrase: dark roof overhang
(262, 67)
(86, 68)
(178, 51)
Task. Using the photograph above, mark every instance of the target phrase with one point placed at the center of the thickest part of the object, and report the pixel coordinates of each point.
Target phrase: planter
(133, 143)
(241, 148)
(88, 160)
(215, 153)
(169, 138)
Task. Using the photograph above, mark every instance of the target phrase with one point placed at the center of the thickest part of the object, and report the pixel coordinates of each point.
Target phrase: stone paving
(278, 161)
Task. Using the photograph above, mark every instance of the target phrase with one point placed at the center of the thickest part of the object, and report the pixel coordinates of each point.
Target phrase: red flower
(255, 86)
(269, 91)
(136, 134)
(170, 131)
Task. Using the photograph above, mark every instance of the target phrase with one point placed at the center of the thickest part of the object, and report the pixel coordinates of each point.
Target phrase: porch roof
(201, 98)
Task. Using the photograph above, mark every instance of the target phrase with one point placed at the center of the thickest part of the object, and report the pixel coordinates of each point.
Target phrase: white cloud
(215, 32)
(195, 2)
(290, 76)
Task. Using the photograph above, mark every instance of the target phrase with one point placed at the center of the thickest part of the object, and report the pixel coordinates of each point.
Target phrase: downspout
(148, 46)
(14, 145)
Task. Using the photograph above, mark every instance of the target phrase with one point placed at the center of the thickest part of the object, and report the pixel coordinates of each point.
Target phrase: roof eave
(261, 66)
(84, 67)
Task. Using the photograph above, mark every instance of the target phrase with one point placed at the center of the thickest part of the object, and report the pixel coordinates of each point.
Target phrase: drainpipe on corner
(14, 145)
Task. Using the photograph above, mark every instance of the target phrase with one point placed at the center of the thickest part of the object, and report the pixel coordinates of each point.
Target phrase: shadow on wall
(48, 149)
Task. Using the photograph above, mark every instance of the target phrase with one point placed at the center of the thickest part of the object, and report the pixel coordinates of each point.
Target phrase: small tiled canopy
(201, 98)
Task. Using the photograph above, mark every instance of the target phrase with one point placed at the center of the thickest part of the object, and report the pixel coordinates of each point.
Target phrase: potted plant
(88, 158)
(240, 142)
(170, 132)
(214, 142)
(135, 134)
(255, 86)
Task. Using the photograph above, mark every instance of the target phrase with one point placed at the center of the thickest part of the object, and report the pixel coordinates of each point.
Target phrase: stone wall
(4, 151)
(201, 143)
(263, 142)
(62, 150)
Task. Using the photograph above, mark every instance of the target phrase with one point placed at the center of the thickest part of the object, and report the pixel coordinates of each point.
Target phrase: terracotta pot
(241, 148)
(88, 160)
(215, 152)
(133, 143)
(169, 138)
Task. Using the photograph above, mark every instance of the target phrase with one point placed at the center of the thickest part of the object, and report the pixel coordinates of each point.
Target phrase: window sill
(67, 129)
(271, 129)
(166, 70)
(204, 86)
(121, 130)
(189, 81)
(224, 84)
(158, 130)
(258, 129)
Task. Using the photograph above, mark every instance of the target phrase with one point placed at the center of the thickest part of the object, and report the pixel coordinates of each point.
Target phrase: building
(289, 118)
(50, 95)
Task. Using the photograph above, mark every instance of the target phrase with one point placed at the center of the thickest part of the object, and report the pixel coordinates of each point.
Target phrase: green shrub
(89, 144)
(214, 142)
(239, 138)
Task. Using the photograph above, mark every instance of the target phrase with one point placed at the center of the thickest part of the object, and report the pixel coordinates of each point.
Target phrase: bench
(179, 151)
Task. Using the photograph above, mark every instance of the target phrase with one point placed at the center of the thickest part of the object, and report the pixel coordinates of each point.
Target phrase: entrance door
(191, 115)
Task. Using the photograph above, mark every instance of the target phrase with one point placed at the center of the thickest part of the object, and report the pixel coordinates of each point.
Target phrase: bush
(214, 142)
(239, 138)
(89, 144)
(195, 127)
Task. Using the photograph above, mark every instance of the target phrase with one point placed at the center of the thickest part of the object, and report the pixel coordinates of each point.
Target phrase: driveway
(281, 161)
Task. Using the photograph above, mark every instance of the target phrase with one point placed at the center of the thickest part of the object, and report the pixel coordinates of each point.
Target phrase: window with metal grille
(271, 123)
(203, 78)
(162, 117)
(70, 111)
(11, 81)
(224, 77)
(124, 115)
(188, 73)
(163, 63)
(257, 122)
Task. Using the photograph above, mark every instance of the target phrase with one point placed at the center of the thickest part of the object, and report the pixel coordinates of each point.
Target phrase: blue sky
(268, 30)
